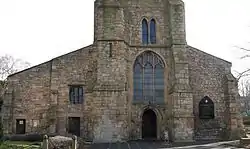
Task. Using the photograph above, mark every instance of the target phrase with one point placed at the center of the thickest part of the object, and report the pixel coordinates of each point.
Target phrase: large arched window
(144, 31)
(206, 108)
(152, 31)
(148, 78)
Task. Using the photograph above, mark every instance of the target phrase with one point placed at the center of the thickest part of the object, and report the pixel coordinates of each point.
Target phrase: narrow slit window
(152, 31)
(144, 31)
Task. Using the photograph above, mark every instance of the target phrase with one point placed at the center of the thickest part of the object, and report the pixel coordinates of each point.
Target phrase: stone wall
(136, 110)
(149, 9)
(27, 96)
(75, 68)
(121, 20)
(207, 75)
(33, 92)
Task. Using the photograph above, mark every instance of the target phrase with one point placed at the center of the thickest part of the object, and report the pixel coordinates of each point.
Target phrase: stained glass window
(206, 108)
(138, 88)
(152, 31)
(144, 31)
(148, 78)
(159, 83)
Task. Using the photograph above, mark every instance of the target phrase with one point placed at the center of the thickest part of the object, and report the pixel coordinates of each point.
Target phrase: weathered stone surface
(208, 75)
(60, 142)
(105, 70)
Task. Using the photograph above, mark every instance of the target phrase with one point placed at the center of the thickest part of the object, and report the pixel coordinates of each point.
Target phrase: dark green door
(74, 125)
(20, 126)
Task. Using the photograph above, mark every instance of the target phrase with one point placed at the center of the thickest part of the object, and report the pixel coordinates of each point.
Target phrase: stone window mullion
(76, 94)
(143, 86)
(153, 82)
(148, 86)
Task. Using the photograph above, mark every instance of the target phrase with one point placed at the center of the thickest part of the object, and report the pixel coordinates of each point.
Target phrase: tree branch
(9, 65)
(244, 49)
(242, 74)
(245, 56)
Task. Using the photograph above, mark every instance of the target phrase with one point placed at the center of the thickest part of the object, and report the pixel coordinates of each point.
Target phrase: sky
(39, 30)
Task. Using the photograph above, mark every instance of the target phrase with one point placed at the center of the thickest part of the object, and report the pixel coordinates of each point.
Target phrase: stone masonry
(105, 70)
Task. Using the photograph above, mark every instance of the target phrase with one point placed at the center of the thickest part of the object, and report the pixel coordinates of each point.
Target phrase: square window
(76, 94)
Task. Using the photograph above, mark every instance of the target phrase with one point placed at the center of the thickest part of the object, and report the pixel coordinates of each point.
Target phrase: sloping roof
(49, 60)
(198, 50)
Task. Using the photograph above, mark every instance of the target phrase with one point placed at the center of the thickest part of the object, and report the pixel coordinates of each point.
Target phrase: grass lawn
(21, 144)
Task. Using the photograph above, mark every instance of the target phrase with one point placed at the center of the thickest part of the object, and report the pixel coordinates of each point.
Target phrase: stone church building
(138, 80)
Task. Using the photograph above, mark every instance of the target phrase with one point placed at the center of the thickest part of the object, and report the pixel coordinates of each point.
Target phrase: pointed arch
(148, 76)
(149, 124)
(206, 108)
(144, 31)
(152, 31)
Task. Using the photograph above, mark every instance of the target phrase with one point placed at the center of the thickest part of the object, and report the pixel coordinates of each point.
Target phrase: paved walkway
(159, 145)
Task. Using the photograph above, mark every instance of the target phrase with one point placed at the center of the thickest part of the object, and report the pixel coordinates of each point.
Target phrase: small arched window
(206, 108)
(144, 31)
(152, 31)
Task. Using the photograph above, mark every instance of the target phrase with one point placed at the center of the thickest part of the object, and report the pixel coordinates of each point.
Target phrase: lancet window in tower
(144, 31)
(152, 31)
(148, 78)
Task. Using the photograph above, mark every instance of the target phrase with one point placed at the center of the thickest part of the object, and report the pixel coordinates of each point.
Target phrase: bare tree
(246, 72)
(9, 65)
(244, 88)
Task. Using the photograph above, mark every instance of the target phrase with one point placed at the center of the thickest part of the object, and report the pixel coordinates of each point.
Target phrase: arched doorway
(149, 125)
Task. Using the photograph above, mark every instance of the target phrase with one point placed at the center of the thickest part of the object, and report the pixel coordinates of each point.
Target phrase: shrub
(17, 137)
(8, 145)
(1, 130)
(5, 138)
(4, 146)
(34, 137)
(27, 137)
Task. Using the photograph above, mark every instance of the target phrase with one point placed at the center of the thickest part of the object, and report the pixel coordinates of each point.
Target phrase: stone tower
(110, 87)
(118, 41)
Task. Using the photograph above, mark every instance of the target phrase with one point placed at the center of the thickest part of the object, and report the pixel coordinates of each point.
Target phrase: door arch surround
(149, 124)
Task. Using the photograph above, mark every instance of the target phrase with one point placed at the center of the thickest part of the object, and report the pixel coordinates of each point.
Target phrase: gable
(209, 56)
(65, 56)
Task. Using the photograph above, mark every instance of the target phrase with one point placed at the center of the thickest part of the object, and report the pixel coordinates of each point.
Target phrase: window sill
(147, 103)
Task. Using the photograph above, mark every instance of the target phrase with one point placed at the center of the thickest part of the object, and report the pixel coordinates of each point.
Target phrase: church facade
(138, 80)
